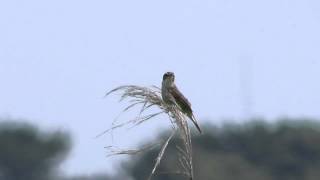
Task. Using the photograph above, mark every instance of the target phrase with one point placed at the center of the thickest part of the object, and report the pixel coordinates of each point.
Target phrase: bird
(172, 96)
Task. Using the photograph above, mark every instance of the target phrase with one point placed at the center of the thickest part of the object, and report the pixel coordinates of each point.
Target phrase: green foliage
(27, 153)
(287, 150)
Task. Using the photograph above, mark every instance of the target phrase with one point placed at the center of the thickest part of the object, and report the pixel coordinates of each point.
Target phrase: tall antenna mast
(246, 76)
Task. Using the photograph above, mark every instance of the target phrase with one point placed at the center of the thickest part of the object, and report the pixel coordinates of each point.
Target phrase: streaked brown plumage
(171, 95)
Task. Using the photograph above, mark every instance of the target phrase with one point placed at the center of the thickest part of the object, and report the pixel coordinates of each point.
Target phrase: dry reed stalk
(148, 97)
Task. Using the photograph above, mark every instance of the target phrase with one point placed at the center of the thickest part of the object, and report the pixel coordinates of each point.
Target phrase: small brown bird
(171, 95)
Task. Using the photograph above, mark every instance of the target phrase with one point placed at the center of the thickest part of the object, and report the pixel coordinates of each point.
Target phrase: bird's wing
(180, 99)
(184, 105)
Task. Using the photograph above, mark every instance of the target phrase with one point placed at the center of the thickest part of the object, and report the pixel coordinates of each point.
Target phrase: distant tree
(286, 150)
(29, 154)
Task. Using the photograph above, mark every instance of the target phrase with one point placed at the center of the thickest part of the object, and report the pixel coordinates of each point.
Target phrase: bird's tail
(193, 119)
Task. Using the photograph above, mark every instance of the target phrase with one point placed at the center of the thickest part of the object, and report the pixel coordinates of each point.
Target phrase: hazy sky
(232, 59)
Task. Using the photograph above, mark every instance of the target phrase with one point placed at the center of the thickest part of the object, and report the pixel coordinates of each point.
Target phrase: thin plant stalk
(148, 97)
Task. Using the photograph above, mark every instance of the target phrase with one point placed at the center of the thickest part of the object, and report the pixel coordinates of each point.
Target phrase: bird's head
(169, 77)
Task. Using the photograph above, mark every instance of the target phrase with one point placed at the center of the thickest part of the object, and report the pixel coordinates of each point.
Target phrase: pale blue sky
(58, 58)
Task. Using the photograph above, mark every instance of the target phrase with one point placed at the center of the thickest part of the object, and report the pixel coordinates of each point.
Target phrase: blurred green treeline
(288, 149)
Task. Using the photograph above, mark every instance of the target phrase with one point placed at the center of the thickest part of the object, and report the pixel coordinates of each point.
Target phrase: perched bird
(172, 96)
